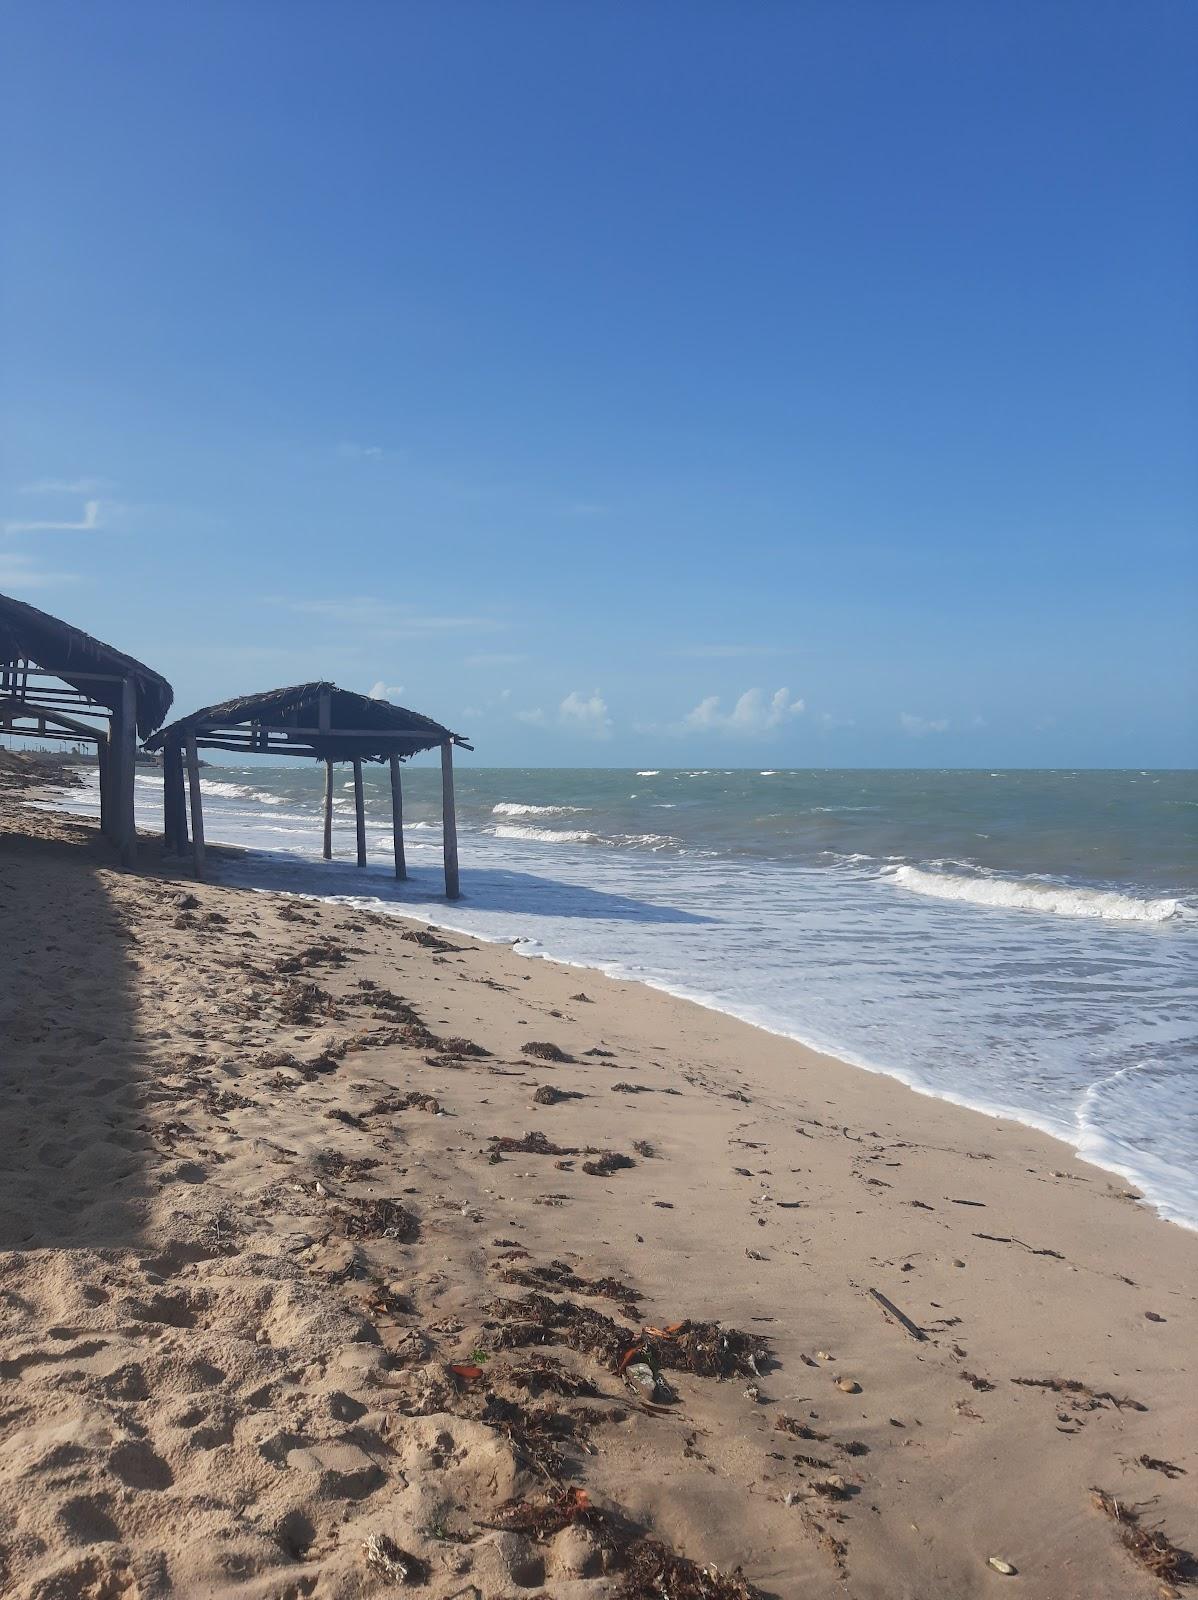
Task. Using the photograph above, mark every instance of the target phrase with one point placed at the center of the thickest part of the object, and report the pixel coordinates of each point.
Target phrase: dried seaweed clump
(1150, 1548)
(300, 1002)
(604, 1165)
(380, 1219)
(559, 1275)
(531, 1144)
(539, 1319)
(703, 1348)
(544, 1052)
(708, 1350)
(1087, 1399)
(797, 1429)
(391, 1005)
(325, 953)
(651, 1571)
(648, 1569)
(428, 941)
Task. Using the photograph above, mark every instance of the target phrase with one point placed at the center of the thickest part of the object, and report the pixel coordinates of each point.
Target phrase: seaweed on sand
(653, 1571)
(708, 1350)
(300, 1002)
(531, 1144)
(559, 1275)
(1150, 1547)
(703, 1348)
(379, 1219)
(1087, 1399)
(324, 953)
(543, 1051)
(648, 1569)
(602, 1166)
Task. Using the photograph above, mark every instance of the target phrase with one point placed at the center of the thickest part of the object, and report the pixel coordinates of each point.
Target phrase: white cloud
(350, 451)
(535, 716)
(89, 522)
(919, 726)
(385, 691)
(752, 713)
(66, 486)
(727, 652)
(18, 572)
(585, 714)
(830, 720)
(385, 619)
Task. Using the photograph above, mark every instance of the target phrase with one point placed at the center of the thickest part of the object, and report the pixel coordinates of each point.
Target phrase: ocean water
(1025, 943)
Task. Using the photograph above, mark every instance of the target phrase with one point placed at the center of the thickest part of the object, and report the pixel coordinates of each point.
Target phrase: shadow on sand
(491, 889)
(71, 1156)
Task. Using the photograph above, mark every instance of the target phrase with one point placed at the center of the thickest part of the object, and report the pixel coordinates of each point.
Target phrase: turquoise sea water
(1022, 942)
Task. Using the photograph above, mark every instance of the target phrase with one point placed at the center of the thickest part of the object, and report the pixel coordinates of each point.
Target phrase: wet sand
(263, 1191)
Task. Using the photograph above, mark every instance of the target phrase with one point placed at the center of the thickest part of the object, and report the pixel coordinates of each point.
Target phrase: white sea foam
(1050, 899)
(512, 808)
(649, 772)
(511, 830)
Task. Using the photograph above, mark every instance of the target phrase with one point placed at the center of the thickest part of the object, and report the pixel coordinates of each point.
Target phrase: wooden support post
(170, 811)
(359, 811)
(328, 809)
(180, 800)
(197, 806)
(401, 864)
(127, 769)
(104, 757)
(449, 822)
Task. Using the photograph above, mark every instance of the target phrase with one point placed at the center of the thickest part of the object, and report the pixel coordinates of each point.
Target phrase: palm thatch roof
(27, 634)
(288, 720)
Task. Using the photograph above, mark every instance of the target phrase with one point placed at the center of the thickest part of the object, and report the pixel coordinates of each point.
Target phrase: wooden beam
(31, 708)
(449, 822)
(328, 810)
(197, 807)
(359, 811)
(401, 863)
(127, 767)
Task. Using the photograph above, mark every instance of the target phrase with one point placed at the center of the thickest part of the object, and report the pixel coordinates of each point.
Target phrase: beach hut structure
(57, 682)
(308, 719)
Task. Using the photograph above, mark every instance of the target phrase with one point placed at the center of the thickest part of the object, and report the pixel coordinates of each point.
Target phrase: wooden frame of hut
(308, 719)
(57, 682)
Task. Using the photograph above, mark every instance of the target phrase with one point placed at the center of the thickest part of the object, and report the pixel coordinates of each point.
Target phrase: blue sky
(647, 383)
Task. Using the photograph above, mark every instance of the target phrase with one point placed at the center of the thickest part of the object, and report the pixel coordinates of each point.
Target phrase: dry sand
(247, 1225)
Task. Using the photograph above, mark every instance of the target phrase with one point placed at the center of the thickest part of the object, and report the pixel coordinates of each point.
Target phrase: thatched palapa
(307, 719)
(57, 682)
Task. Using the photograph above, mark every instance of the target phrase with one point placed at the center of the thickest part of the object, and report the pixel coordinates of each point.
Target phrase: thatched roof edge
(57, 646)
(273, 706)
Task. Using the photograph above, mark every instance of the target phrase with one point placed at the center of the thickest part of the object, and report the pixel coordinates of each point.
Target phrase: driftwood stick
(891, 1310)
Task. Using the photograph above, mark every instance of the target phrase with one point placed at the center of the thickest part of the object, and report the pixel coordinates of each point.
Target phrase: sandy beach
(324, 1239)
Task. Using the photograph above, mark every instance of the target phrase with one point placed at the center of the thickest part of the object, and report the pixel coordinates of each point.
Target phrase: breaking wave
(1051, 899)
(544, 835)
(510, 808)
